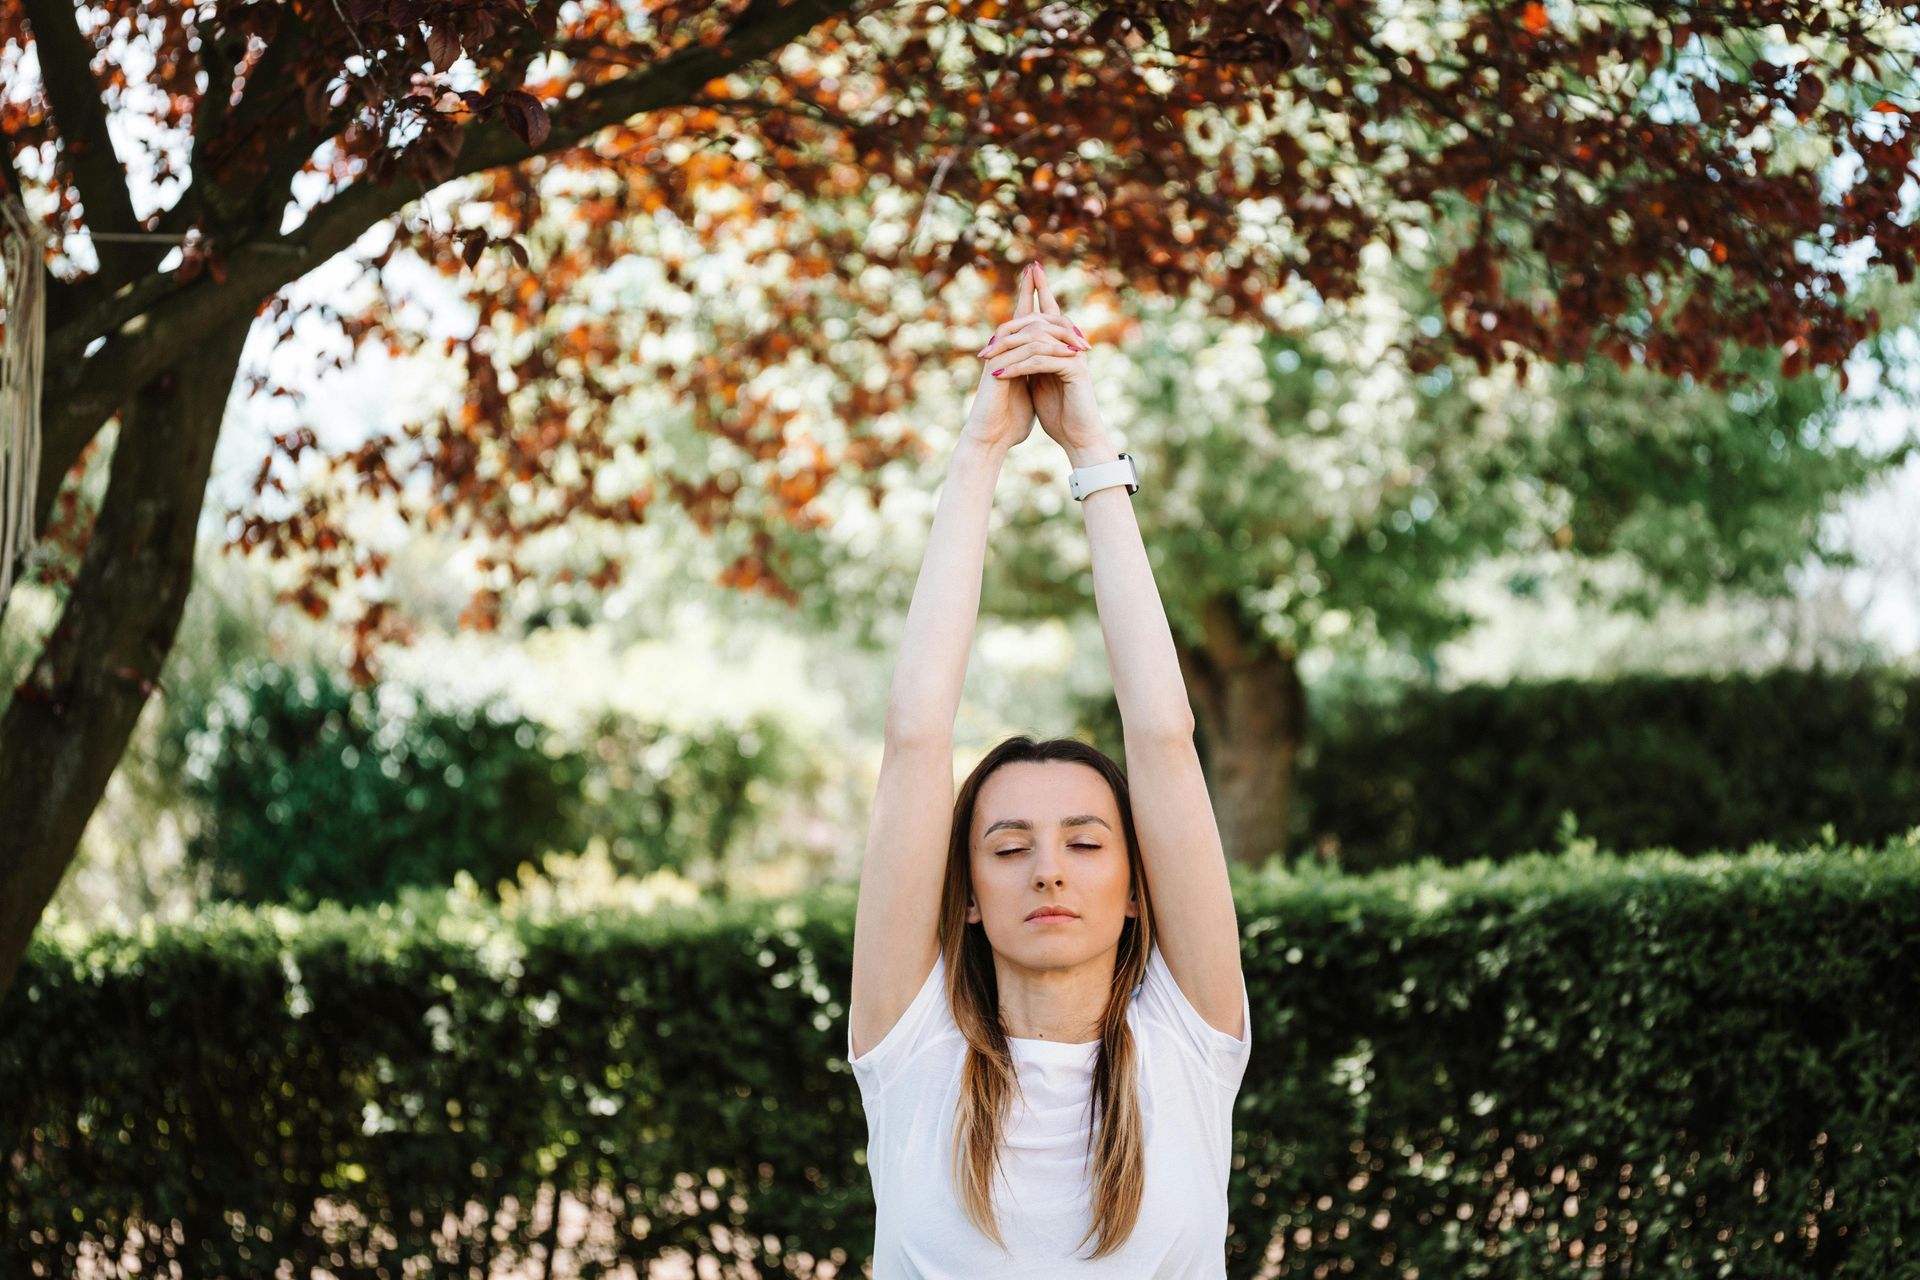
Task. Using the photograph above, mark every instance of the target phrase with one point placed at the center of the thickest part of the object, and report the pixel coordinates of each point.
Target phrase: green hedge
(1691, 763)
(313, 790)
(316, 790)
(1654, 1065)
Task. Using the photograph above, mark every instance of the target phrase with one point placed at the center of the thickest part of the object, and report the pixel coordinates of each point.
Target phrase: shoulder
(1166, 1008)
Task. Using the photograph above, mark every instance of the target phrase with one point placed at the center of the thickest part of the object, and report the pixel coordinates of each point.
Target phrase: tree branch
(66, 62)
(269, 90)
(151, 324)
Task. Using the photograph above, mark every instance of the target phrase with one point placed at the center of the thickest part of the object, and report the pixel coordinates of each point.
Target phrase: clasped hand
(1034, 365)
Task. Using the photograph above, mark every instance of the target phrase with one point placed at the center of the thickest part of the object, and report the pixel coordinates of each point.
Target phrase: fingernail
(996, 373)
(1076, 329)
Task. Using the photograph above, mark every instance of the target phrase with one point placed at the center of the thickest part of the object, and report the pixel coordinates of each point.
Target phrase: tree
(282, 133)
(1312, 492)
(1315, 493)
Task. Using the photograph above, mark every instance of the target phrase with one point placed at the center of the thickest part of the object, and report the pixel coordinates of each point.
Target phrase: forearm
(932, 667)
(1140, 654)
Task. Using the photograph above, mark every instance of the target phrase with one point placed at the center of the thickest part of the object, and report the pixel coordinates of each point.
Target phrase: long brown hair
(989, 1079)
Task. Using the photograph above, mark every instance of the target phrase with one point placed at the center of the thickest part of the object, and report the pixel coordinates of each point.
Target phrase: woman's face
(1049, 833)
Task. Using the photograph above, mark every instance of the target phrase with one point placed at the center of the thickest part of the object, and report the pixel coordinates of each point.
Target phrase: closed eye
(1003, 852)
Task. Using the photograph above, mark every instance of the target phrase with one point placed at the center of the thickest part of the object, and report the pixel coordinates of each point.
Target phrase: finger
(1031, 343)
(1042, 292)
(1022, 307)
(1047, 305)
(1040, 362)
(1022, 327)
(1031, 328)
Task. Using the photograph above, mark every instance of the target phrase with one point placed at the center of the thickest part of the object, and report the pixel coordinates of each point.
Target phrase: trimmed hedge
(1692, 763)
(1556, 1065)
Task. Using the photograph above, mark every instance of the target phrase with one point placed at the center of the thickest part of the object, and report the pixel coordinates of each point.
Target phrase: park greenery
(1559, 1060)
(445, 798)
(1645, 186)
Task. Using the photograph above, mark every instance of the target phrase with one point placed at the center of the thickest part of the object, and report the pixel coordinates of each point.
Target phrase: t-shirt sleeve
(1225, 1057)
(876, 1068)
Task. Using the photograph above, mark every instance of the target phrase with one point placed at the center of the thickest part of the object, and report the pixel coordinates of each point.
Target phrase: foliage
(666, 797)
(316, 790)
(1667, 1062)
(1692, 763)
(1332, 495)
(1641, 185)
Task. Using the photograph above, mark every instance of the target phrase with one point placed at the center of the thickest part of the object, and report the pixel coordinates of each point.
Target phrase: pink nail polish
(1076, 329)
(996, 373)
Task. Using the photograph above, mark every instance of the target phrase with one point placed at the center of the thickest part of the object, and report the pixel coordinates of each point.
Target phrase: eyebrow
(1024, 824)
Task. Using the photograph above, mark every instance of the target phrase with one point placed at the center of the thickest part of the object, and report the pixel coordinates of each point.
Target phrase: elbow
(914, 730)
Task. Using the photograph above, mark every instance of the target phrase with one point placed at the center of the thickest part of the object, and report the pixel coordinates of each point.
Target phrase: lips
(1053, 913)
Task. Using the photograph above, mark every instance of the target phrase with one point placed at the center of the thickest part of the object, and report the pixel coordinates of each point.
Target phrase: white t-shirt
(1189, 1074)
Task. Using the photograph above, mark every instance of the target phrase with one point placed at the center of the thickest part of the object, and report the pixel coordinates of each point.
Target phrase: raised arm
(1199, 931)
(896, 919)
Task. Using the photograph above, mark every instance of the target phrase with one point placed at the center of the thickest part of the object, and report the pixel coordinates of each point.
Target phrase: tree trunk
(1250, 712)
(69, 721)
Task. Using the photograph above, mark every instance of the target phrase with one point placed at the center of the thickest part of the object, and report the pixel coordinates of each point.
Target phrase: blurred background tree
(1312, 492)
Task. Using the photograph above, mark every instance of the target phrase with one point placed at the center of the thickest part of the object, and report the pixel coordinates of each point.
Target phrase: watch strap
(1082, 481)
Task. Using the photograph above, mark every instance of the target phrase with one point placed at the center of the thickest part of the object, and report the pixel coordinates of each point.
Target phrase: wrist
(983, 448)
(1092, 450)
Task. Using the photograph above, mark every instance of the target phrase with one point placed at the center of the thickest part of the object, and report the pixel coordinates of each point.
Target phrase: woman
(1048, 1024)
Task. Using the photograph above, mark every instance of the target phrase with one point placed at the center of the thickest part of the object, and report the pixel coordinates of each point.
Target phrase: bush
(314, 790)
(1687, 1066)
(679, 798)
(1688, 762)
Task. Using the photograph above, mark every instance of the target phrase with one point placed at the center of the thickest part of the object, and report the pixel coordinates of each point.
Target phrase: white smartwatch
(1082, 481)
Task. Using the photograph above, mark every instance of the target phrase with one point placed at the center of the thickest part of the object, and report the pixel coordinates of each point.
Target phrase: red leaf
(1534, 18)
(1807, 94)
(1706, 100)
(443, 46)
(526, 117)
